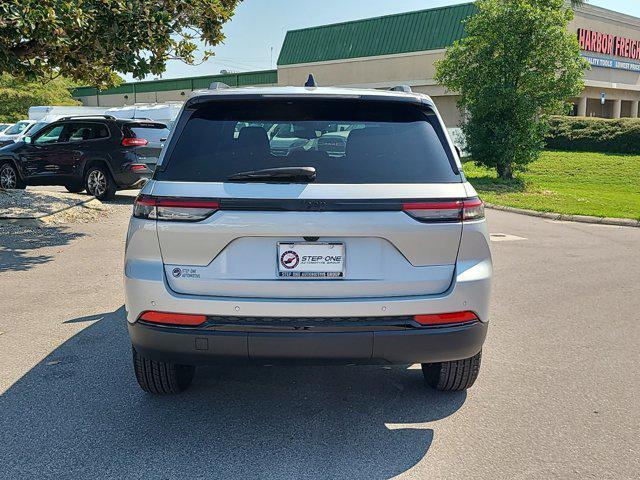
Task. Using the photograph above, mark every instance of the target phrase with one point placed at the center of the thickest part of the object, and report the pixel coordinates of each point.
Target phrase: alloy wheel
(97, 183)
(8, 178)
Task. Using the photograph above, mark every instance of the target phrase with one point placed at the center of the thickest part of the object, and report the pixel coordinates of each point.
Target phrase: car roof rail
(71, 117)
(218, 86)
(401, 88)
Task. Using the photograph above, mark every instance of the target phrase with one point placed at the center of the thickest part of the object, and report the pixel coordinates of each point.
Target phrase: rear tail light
(449, 210)
(173, 318)
(445, 318)
(138, 167)
(173, 209)
(134, 142)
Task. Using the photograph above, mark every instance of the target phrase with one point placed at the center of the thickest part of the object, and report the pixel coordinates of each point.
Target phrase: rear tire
(99, 183)
(9, 177)
(74, 187)
(160, 378)
(452, 376)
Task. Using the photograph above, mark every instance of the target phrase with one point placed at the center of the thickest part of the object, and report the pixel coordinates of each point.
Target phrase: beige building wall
(106, 100)
(415, 69)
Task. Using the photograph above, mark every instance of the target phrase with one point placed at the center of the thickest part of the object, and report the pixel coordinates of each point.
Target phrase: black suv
(101, 154)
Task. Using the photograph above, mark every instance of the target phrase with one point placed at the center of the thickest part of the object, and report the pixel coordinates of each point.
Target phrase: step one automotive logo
(289, 259)
(178, 272)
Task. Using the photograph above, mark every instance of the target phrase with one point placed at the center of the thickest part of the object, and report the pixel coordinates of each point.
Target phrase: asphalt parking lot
(557, 396)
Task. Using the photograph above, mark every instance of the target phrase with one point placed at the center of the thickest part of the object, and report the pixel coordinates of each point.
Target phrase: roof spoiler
(401, 88)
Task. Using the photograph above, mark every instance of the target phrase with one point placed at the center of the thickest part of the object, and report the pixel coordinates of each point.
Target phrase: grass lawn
(578, 183)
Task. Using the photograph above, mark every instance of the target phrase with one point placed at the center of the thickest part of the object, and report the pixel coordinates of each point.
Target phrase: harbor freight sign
(608, 44)
(612, 63)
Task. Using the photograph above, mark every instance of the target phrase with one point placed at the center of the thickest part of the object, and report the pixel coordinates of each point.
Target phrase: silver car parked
(375, 253)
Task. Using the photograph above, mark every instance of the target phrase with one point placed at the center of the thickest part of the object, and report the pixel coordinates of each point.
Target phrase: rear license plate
(311, 260)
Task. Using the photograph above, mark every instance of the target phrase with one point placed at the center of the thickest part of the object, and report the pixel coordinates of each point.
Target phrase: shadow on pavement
(17, 244)
(123, 198)
(80, 414)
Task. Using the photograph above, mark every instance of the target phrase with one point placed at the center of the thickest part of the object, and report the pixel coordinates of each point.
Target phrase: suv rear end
(376, 252)
(140, 144)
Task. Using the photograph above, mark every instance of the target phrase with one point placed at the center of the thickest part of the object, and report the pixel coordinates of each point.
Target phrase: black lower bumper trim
(207, 347)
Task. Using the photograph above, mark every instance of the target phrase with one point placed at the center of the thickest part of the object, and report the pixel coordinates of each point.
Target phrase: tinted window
(346, 141)
(79, 132)
(49, 135)
(153, 133)
(100, 130)
(36, 127)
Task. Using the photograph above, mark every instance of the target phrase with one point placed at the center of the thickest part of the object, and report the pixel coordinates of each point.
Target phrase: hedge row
(594, 135)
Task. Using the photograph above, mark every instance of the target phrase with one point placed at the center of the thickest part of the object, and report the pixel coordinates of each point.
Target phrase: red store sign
(608, 44)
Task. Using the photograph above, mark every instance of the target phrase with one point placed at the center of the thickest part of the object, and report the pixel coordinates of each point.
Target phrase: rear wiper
(292, 174)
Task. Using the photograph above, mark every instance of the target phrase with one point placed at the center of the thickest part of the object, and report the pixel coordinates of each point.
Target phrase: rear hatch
(380, 217)
(146, 139)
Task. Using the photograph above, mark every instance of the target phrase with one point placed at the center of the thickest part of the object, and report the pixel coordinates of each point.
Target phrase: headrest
(254, 138)
(365, 141)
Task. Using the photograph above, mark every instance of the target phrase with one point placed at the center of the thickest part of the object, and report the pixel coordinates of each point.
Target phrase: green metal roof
(265, 77)
(401, 33)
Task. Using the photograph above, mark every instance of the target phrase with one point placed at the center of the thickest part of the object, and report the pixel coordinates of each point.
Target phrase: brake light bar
(174, 209)
(445, 318)
(446, 210)
(134, 142)
(181, 319)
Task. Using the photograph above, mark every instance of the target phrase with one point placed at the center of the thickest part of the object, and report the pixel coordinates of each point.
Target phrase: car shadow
(121, 199)
(80, 414)
(18, 243)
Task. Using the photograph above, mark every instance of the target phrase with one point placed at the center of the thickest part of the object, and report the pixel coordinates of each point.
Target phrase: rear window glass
(153, 133)
(345, 141)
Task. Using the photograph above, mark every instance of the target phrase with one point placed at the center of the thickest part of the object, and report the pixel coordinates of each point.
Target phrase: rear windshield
(152, 132)
(345, 141)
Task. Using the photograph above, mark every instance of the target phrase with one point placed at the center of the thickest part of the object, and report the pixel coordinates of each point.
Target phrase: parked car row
(99, 154)
(16, 131)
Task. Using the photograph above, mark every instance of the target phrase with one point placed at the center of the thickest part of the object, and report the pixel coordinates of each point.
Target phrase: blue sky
(259, 25)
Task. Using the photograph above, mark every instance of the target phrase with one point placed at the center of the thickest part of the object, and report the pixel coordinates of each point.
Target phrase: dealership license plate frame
(281, 273)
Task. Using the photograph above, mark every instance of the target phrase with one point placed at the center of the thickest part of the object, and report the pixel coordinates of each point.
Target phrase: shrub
(594, 135)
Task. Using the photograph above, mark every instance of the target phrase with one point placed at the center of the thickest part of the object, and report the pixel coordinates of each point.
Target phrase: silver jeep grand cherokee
(366, 246)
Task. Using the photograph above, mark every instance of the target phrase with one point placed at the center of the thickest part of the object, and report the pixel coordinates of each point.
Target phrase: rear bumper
(132, 180)
(206, 346)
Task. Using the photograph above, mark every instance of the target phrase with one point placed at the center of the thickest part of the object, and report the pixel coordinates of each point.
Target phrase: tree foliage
(87, 40)
(517, 65)
(16, 96)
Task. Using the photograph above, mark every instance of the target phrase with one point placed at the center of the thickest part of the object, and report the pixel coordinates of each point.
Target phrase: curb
(620, 222)
(44, 219)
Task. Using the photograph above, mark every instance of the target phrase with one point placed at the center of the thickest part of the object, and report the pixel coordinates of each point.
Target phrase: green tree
(16, 96)
(87, 40)
(517, 65)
